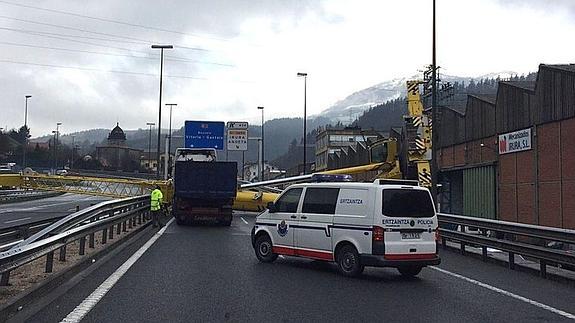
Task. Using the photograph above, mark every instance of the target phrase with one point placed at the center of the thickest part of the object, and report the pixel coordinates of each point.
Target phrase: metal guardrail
(106, 217)
(514, 238)
(7, 196)
(16, 234)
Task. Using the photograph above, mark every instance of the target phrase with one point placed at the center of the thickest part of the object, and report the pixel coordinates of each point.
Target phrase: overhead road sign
(204, 134)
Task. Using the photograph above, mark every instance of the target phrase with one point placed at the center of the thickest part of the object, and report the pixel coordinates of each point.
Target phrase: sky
(89, 64)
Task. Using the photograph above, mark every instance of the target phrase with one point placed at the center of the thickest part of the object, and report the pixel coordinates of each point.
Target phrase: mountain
(353, 106)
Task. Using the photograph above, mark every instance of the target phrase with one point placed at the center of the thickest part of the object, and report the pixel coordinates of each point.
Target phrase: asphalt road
(12, 214)
(211, 274)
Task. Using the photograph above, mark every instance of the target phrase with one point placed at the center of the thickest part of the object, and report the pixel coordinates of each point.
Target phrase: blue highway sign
(204, 134)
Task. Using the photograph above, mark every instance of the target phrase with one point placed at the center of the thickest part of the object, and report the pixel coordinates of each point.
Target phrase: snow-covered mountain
(349, 108)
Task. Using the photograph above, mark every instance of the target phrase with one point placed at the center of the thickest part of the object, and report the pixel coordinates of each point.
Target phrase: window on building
(289, 201)
(320, 200)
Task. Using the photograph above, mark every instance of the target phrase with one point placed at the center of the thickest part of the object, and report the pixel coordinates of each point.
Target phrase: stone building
(116, 155)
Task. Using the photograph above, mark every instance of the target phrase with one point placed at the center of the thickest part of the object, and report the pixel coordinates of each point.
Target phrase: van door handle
(304, 217)
(293, 216)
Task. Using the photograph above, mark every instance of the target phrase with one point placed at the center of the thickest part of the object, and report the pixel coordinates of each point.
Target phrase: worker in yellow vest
(156, 205)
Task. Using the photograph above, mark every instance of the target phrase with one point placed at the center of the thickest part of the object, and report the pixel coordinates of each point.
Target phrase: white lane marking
(81, 310)
(22, 219)
(506, 293)
(246, 222)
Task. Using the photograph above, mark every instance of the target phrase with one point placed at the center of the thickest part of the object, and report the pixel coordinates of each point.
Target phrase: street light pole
(58, 124)
(150, 142)
(434, 116)
(171, 105)
(26, 135)
(161, 47)
(304, 75)
(263, 143)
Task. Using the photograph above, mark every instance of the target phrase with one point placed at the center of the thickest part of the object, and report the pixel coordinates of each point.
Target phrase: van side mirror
(271, 207)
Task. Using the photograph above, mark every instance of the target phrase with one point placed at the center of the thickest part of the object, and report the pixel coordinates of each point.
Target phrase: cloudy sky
(89, 64)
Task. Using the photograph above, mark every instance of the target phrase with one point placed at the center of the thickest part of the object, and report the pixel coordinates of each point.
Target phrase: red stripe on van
(284, 251)
(410, 256)
(321, 255)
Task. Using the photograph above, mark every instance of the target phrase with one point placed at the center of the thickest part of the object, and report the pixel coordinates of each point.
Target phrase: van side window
(289, 201)
(407, 203)
(320, 200)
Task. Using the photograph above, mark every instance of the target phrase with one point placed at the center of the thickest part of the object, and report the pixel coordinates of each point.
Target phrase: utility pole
(434, 117)
(263, 160)
(150, 144)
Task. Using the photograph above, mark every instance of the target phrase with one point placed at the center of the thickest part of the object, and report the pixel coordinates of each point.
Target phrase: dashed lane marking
(81, 310)
(507, 293)
(246, 222)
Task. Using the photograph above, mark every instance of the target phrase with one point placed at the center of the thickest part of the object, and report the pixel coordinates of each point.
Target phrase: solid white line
(246, 222)
(22, 219)
(81, 310)
(506, 293)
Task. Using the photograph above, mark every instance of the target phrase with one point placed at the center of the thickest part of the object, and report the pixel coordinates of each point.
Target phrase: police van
(386, 223)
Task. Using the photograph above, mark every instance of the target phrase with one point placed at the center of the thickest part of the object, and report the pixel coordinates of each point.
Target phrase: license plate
(410, 235)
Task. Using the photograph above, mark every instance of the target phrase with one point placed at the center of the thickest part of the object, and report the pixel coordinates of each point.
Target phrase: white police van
(386, 223)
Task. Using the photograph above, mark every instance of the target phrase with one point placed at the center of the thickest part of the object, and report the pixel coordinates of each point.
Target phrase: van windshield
(407, 203)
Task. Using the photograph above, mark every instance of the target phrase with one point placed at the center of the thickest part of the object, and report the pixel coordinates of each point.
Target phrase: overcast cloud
(257, 47)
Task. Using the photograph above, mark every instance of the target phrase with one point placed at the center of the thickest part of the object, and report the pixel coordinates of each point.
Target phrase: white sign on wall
(515, 141)
(237, 135)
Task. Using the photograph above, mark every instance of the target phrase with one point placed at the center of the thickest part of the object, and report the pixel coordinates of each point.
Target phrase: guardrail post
(49, 261)
(484, 253)
(77, 208)
(119, 228)
(462, 248)
(543, 268)
(5, 278)
(111, 232)
(124, 226)
(511, 260)
(130, 222)
(104, 235)
(91, 240)
(82, 246)
(62, 256)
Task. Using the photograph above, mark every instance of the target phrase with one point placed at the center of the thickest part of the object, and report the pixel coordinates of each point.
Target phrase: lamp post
(25, 127)
(304, 75)
(263, 160)
(434, 116)
(58, 124)
(171, 105)
(150, 142)
(161, 47)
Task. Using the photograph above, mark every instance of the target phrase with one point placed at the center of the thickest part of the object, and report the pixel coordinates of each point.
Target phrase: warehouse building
(511, 156)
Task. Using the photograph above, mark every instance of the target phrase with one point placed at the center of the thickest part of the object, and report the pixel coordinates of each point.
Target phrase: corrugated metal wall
(479, 192)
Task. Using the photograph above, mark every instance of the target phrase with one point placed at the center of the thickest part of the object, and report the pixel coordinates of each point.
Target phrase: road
(211, 274)
(12, 214)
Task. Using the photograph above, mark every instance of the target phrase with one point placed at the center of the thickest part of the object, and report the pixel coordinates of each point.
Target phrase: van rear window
(407, 203)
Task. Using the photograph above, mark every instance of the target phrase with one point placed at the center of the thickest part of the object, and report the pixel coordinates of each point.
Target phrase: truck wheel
(348, 262)
(409, 271)
(263, 248)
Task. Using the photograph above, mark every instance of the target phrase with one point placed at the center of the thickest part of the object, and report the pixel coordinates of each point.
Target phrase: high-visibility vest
(156, 200)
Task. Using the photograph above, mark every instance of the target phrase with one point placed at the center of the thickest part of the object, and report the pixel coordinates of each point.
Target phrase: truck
(204, 188)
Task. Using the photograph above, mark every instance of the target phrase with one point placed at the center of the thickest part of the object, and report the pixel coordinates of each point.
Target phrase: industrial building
(511, 156)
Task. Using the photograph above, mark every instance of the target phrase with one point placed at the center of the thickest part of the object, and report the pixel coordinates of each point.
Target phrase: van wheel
(410, 271)
(263, 248)
(348, 262)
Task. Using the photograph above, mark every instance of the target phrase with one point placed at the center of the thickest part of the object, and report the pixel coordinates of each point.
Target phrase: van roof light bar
(396, 182)
(319, 178)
